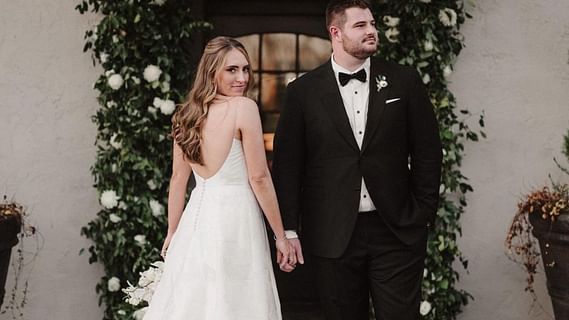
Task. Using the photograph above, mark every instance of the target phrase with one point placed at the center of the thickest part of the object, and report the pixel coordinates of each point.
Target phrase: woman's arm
(181, 171)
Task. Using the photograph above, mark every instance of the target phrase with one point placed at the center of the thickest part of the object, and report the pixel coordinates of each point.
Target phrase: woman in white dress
(217, 258)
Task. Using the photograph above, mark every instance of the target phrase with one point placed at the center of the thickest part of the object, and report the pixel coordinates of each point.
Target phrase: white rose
(114, 143)
(428, 45)
(156, 207)
(151, 184)
(115, 81)
(390, 21)
(151, 73)
(391, 34)
(104, 57)
(109, 199)
(114, 284)
(447, 71)
(447, 17)
(425, 308)
(139, 314)
(114, 218)
(140, 239)
(426, 78)
(167, 107)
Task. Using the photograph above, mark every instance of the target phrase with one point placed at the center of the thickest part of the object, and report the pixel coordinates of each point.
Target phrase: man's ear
(335, 33)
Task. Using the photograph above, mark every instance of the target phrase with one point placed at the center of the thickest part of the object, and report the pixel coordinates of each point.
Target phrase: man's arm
(426, 150)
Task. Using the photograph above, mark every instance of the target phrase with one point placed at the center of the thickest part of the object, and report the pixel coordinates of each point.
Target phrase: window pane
(279, 51)
(313, 51)
(273, 88)
(251, 44)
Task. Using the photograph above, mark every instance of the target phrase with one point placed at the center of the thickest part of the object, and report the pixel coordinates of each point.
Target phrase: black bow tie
(345, 78)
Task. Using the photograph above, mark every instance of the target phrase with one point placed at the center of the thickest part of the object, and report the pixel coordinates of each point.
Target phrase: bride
(217, 259)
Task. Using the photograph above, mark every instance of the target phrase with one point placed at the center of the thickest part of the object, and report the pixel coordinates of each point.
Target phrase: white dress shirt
(355, 95)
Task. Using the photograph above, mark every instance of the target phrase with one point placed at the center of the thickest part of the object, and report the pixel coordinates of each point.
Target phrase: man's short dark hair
(336, 11)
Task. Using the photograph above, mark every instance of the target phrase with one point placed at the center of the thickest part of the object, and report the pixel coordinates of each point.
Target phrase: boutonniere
(381, 82)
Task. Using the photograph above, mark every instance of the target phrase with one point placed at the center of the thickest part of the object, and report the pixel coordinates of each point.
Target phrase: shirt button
(356, 92)
(365, 196)
(360, 132)
(358, 111)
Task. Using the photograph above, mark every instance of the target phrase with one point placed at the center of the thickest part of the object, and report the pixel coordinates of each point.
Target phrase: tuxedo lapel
(334, 106)
(376, 104)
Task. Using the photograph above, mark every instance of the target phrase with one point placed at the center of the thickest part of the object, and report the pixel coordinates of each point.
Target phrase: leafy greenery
(134, 150)
(427, 36)
(133, 158)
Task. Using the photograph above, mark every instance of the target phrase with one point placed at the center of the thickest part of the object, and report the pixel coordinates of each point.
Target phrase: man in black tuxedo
(357, 164)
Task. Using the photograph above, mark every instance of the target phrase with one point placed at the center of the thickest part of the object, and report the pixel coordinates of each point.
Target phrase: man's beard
(357, 49)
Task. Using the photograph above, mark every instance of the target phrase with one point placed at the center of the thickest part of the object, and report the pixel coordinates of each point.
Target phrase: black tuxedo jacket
(318, 166)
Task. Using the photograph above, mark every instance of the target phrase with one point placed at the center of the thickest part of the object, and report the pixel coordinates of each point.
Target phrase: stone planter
(554, 246)
(9, 229)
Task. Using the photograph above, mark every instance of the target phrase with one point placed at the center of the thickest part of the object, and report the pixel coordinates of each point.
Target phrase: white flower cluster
(391, 33)
(151, 73)
(447, 17)
(167, 106)
(425, 308)
(156, 207)
(144, 290)
(114, 80)
(109, 199)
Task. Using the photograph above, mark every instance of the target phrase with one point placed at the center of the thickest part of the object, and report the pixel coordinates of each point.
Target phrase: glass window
(277, 59)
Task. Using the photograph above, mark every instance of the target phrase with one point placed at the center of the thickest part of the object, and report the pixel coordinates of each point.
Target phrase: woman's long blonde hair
(188, 121)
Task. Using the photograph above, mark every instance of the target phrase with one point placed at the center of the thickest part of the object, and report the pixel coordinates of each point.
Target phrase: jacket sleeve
(288, 159)
(425, 149)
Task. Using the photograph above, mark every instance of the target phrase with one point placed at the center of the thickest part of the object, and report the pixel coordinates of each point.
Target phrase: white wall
(46, 148)
(515, 68)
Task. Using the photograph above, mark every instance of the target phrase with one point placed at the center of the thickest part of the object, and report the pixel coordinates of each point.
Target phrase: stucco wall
(46, 149)
(515, 68)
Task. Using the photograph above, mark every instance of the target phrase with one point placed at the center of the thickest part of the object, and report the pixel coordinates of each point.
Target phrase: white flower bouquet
(144, 290)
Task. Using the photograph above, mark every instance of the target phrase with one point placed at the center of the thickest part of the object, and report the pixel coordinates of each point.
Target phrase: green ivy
(427, 36)
(133, 159)
(133, 146)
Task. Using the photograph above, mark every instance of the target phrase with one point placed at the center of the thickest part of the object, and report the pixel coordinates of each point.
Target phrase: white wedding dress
(218, 264)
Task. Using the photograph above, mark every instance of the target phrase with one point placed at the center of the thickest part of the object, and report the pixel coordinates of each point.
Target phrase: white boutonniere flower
(381, 82)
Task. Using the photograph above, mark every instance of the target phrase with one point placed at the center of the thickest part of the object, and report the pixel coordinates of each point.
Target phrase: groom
(357, 164)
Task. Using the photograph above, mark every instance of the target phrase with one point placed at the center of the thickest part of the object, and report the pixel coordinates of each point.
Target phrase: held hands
(289, 252)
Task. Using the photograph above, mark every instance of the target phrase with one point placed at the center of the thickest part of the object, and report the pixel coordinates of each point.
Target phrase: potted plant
(543, 214)
(10, 226)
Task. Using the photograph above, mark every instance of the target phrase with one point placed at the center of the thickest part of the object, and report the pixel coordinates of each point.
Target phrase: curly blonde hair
(188, 121)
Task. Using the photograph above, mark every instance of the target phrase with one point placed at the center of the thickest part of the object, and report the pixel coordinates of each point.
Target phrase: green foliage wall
(142, 47)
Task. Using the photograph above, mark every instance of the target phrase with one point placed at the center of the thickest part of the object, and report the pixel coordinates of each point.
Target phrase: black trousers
(376, 262)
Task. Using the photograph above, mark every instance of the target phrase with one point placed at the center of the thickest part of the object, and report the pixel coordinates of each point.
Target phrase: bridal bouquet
(144, 290)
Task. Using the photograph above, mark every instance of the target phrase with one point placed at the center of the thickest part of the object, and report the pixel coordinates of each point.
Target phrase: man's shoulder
(309, 79)
(393, 67)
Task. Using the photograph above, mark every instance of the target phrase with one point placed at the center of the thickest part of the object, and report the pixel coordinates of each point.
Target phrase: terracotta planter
(554, 245)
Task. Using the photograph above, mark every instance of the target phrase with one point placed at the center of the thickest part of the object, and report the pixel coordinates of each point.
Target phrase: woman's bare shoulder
(245, 107)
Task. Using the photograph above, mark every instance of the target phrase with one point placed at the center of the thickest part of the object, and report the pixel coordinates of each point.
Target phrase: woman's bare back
(220, 128)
